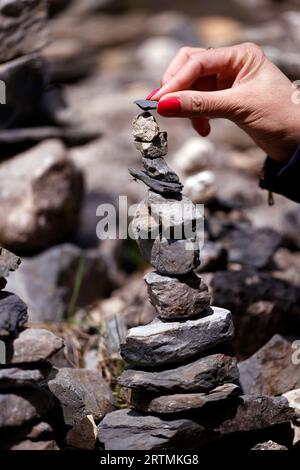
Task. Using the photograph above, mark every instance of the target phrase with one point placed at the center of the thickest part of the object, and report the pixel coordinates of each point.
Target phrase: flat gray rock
(170, 257)
(170, 342)
(146, 105)
(145, 127)
(157, 168)
(17, 409)
(159, 186)
(130, 430)
(179, 402)
(200, 375)
(8, 262)
(19, 377)
(13, 314)
(177, 298)
(34, 345)
(155, 149)
(82, 392)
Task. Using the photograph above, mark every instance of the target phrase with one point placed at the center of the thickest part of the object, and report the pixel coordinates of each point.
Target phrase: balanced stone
(155, 149)
(160, 186)
(35, 345)
(169, 342)
(81, 392)
(13, 314)
(167, 404)
(145, 128)
(171, 257)
(177, 298)
(178, 213)
(8, 262)
(200, 375)
(158, 169)
(19, 377)
(146, 105)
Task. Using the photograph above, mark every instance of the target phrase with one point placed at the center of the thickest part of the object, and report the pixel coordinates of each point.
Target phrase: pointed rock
(155, 149)
(145, 127)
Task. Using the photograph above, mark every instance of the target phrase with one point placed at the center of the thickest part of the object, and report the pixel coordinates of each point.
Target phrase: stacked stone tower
(179, 362)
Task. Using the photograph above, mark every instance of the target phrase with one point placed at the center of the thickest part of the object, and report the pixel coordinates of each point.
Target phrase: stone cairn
(43, 407)
(179, 362)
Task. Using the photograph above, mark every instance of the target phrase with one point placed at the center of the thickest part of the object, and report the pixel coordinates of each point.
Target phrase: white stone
(194, 155)
(200, 187)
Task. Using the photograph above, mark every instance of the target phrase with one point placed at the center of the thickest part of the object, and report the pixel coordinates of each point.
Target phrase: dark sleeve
(283, 178)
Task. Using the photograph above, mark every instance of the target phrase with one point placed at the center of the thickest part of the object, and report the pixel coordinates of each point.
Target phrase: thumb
(193, 104)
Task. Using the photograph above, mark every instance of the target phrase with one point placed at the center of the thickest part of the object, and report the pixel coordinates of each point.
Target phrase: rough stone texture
(201, 375)
(13, 314)
(40, 197)
(132, 430)
(271, 371)
(177, 298)
(159, 186)
(157, 168)
(155, 149)
(168, 404)
(34, 345)
(163, 343)
(28, 404)
(178, 212)
(81, 393)
(171, 257)
(269, 445)
(23, 97)
(46, 281)
(19, 377)
(23, 27)
(145, 128)
(8, 262)
(259, 302)
(83, 435)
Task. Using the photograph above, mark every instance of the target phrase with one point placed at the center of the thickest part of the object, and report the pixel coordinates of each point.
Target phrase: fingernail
(203, 129)
(152, 94)
(169, 107)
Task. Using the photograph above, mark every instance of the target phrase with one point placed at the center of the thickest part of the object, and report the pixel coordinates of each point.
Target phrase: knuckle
(253, 48)
(198, 104)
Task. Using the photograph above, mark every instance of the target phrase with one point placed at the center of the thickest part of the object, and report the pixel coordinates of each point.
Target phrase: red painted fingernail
(203, 129)
(152, 94)
(169, 107)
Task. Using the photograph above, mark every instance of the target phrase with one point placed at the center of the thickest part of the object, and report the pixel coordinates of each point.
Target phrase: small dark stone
(158, 169)
(161, 187)
(146, 105)
(13, 314)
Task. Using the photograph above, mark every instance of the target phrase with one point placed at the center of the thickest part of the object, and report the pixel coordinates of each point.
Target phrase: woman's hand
(238, 83)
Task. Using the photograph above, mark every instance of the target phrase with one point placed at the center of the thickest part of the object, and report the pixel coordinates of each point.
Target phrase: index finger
(179, 60)
(208, 62)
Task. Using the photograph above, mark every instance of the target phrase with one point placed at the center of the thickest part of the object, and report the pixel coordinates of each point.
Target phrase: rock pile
(181, 367)
(42, 406)
(26, 405)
